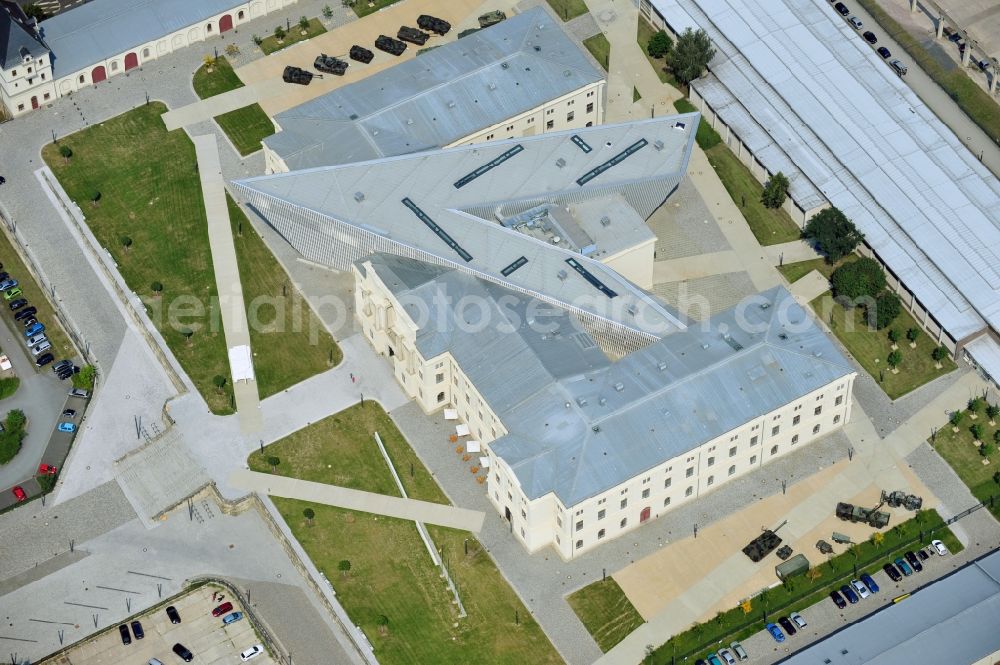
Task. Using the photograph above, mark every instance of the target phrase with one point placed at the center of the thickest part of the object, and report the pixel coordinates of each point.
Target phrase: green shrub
(834, 234)
(659, 45)
(858, 279)
(8, 386)
(775, 191)
(884, 311)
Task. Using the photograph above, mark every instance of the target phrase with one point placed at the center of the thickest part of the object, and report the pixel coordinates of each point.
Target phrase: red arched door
(225, 23)
(98, 74)
(131, 61)
(644, 515)
(34, 102)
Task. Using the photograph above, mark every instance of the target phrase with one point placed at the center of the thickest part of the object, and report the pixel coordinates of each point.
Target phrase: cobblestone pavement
(684, 226)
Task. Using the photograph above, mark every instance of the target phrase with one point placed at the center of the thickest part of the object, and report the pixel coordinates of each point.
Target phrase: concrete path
(791, 252)
(809, 287)
(227, 274)
(693, 267)
(367, 502)
(206, 109)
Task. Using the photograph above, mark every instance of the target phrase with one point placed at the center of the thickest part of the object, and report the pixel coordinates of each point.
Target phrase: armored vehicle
(361, 54)
(762, 545)
(390, 45)
(330, 65)
(412, 35)
(297, 75)
(872, 517)
(491, 18)
(434, 24)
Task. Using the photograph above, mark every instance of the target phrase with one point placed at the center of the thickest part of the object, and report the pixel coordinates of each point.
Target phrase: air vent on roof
(818, 354)
(505, 65)
(619, 386)
(560, 162)
(374, 132)
(582, 401)
(658, 144)
(605, 221)
(680, 126)
(765, 305)
(662, 366)
(562, 275)
(537, 47)
(782, 335)
(451, 105)
(596, 428)
(354, 116)
(567, 73)
(632, 309)
(493, 86)
(705, 345)
(409, 121)
(602, 401)
(359, 196)
(568, 405)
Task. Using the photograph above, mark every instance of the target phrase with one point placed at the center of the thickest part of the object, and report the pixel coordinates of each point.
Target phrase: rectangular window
(795, 439)
(439, 378)
(753, 459)
(590, 107)
(753, 441)
(645, 493)
(550, 124)
(839, 400)
(711, 461)
(524, 515)
(624, 503)
(601, 513)
(732, 451)
(666, 502)
(689, 472)
(774, 430)
(569, 117)
(666, 483)
(818, 410)
(796, 419)
(579, 525)
(559, 521)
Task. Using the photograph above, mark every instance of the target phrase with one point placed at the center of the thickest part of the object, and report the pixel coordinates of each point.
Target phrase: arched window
(145, 52)
(774, 450)
(816, 429)
(440, 397)
(623, 522)
(579, 544)
(689, 491)
(600, 534)
(208, 28)
(732, 470)
(710, 481)
(82, 79)
(239, 15)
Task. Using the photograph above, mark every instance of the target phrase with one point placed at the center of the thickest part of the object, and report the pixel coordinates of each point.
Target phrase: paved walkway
(809, 287)
(791, 252)
(227, 276)
(693, 267)
(366, 502)
(206, 109)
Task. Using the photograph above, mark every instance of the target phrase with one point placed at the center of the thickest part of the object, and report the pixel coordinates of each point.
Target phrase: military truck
(797, 565)
(434, 24)
(361, 54)
(762, 545)
(899, 498)
(390, 45)
(412, 35)
(296, 75)
(491, 18)
(329, 64)
(872, 517)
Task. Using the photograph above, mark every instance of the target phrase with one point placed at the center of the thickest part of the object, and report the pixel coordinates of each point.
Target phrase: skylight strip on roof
(587, 275)
(518, 263)
(488, 166)
(614, 161)
(432, 225)
(580, 143)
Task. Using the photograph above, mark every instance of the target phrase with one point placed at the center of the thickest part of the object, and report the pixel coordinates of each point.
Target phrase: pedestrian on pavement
(352, 377)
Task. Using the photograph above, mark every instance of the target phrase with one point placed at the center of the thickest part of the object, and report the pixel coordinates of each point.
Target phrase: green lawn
(600, 48)
(245, 127)
(643, 33)
(158, 204)
(872, 347)
(770, 227)
(635, 94)
(705, 136)
(605, 611)
(9, 385)
(802, 592)
(976, 102)
(391, 573)
(294, 35)
(362, 8)
(793, 272)
(568, 9)
(959, 450)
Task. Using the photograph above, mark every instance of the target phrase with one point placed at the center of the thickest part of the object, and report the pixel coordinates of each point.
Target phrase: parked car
(123, 632)
(855, 22)
(252, 652)
(884, 52)
(869, 582)
(797, 619)
(898, 67)
(914, 561)
(860, 589)
(222, 609)
(838, 599)
(725, 655)
(24, 313)
(713, 659)
(842, 9)
(41, 348)
(173, 615)
(137, 630)
(892, 572)
(775, 632)
(44, 359)
(922, 554)
(849, 594)
(47, 470)
(17, 304)
(62, 363)
(788, 626)
(79, 392)
(67, 427)
(183, 653)
(34, 340)
(28, 322)
(940, 548)
(870, 37)
(903, 566)
(155, 661)
(10, 294)
(34, 329)
(231, 618)
(740, 652)
(7, 283)
(19, 493)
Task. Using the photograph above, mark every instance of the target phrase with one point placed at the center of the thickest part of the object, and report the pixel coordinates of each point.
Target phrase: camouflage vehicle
(824, 547)
(762, 545)
(330, 65)
(296, 75)
(872, 517)
(412, 35)
(361, 54)
(784, 552)
(433, 24)
(390, 45)
(491, 18)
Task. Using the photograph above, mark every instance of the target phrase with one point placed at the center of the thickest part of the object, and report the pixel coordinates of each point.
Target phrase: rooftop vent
(409, 121)
(632, 309)
(582, 401)
(505, 65)
(562, 275)
(560, 162)
(596, 428)
(619, 386)
(662, 366)
(782, 335)
(493, 86)
(658, 144)
(567, 73)
(568, 405)
(705, 345)
(818, 354)
(602, 401)
(374, 132)
(605, 221)
(680, 126)
(765, 305)
(353, 116)
(537, 47)
(359, 196)
(451, 105)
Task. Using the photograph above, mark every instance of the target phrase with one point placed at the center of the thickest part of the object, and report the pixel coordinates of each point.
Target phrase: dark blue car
(869, 582)
(849, 594)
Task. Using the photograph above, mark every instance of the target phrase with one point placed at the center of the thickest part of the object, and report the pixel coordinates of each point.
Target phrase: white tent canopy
(240, 363)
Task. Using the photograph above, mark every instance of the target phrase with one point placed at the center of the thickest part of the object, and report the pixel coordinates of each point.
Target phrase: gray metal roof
(100, 29)
(926, 205)
(953, 621)
(638, 162)
(438, 98)
(579, 424)
(985, 350)
(16, 37)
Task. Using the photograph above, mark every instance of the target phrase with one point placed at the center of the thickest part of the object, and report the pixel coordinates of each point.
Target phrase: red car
(222, 609)
(21, 495)
(46, 469)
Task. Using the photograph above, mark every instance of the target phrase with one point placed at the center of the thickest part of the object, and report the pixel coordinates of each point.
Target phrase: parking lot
(205, 636)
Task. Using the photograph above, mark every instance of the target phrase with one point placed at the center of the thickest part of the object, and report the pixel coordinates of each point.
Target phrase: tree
(32, 10)
(987, 448)
(126, 243)
(912, 334)
(894, 359)
(859, 279)
(996, 437)
(992, 411)
(834, 234)
(188, 334)
(66, 152)
(383, 624)
(279, 33)
(977, 431)
(257, 39)
(219, 381)
(273, 461)
(157, 288)
(327, 11)
(690, 55)
(996, 477)
(956, 418)
(303, 23)
(95, 198)
(746, 606)
(894, 335)
(877, 539)
(659, 45)
(939, 353)
(975, 404)
(775, 191)
(309, 514)
(344, 567)
(884, 311)
(209, 62)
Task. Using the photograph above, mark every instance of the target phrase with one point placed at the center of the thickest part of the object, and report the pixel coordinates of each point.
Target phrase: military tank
(491, 18)
(390, 45)
(361, 54)
(412, 35)
(296, 75)
(433, 24)
(330, 64)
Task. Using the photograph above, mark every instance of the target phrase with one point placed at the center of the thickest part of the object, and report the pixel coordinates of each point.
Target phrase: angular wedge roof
(17, 37)
(579, 424)
(445, 206)
(438, 98)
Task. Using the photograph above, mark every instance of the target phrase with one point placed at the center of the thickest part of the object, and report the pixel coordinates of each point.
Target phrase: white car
(726, 656)
(860, 588)
(797, 618)
(252, 652)
(855, 21)
(940, 548)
